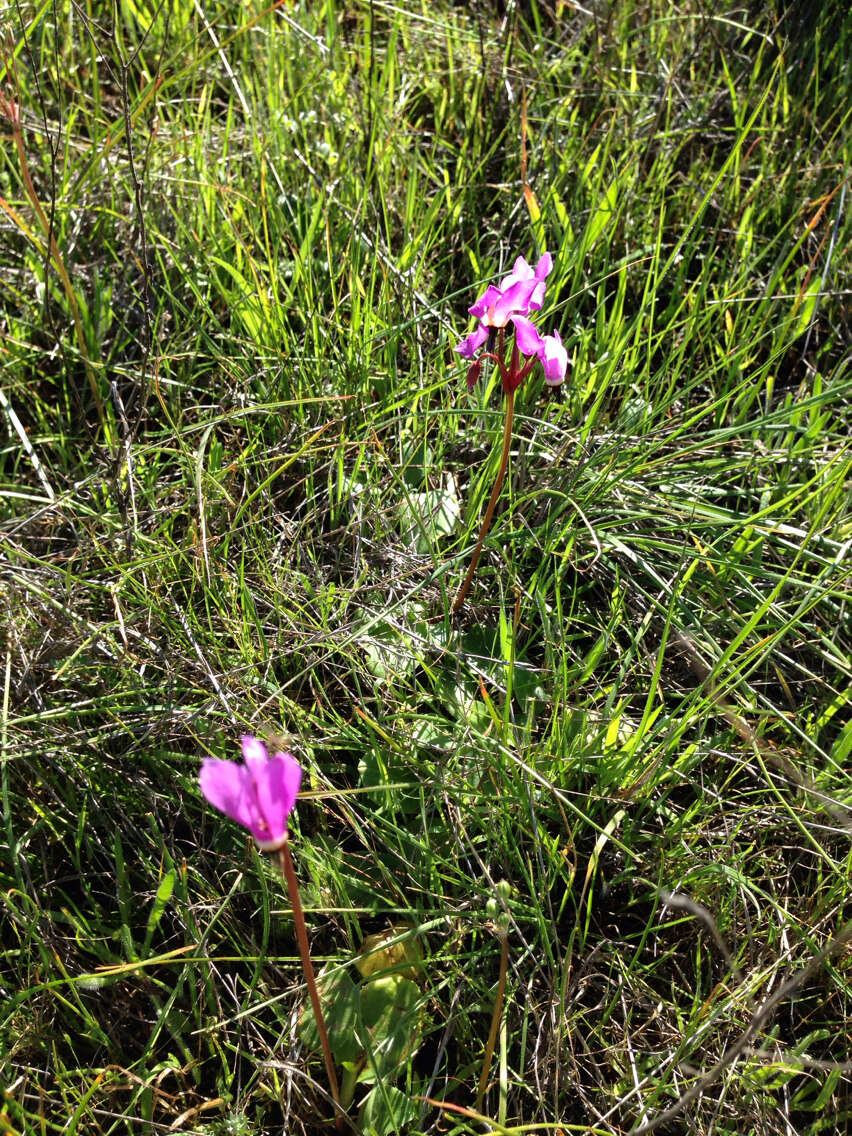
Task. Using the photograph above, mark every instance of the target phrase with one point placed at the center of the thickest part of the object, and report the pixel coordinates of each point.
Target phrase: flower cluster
(518, 294)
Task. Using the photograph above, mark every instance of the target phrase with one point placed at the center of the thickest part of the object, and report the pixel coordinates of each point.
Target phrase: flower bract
(258, 794)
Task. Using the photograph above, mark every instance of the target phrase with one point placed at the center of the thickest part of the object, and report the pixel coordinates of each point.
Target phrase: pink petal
(537, 298)
(514, 299)
(468, 347)
(526, 336)
(544, 266)
(259, 795)
(542, 270)
(483, 306)
(230, 788)
(253, 749)
(277, 784)
(520, 271)
(554, 359)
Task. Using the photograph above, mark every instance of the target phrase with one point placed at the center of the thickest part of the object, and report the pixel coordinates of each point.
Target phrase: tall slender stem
(495, 1022)
(286, 862)
(492, 501)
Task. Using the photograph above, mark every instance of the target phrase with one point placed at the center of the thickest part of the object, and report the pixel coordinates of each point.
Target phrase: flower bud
(474, 371)
(495, 908)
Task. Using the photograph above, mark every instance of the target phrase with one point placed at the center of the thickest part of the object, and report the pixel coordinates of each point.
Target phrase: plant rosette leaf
(388, 653)
(373, 1027)
(386, 1110)
(390, 1026)
(341, 1008)
(429, 515)
(375, 957)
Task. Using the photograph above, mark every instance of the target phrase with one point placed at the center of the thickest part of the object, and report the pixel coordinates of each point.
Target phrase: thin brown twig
(495, 1021)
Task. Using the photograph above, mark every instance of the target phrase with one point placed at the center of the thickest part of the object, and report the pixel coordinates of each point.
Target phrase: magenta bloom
(469, 347)
(519, 293)
(259, 795)
(496, 309)
(522, 271)
(496, 306)
(553, 358)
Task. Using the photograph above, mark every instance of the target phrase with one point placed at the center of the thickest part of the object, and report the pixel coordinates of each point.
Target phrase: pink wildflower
(259, 795)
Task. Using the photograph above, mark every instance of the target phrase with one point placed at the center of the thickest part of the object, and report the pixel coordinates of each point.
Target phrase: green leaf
(390, 1021)
(380, 952)
(602, 213)
(424, 517)
(805, 305)
(161, 899)
(339, 998)
(386, 1110)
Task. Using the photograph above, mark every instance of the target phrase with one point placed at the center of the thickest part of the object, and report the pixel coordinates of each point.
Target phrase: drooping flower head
(259, 794)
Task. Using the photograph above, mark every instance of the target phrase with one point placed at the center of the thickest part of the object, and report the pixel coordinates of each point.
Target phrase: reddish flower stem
(492, 501)
(495, 1023)
(286, 862)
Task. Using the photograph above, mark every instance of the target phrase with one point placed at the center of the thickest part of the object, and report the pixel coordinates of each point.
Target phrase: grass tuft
(240, 481)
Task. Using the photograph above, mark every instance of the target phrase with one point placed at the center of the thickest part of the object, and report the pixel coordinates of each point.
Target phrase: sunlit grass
(647, 693)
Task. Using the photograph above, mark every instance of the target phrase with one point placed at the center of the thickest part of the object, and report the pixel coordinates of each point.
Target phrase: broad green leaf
(374, 957)
(387, 1110)
(390, 1024)
(339, 997)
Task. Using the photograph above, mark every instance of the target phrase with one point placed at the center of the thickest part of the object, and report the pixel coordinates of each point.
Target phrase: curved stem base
(492, 502)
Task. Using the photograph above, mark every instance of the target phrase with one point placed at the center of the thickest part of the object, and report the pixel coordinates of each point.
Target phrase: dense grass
(241, 479)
